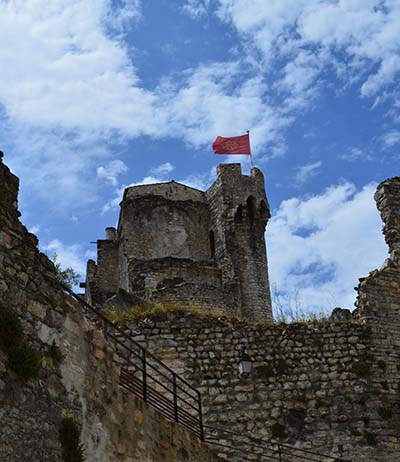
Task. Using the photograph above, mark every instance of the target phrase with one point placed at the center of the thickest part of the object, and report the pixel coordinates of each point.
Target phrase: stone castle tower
(176, 244)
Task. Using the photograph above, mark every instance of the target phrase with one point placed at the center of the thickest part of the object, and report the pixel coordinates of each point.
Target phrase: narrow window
(264, 210)
(251, 209)
(238, 215)
(212, 244)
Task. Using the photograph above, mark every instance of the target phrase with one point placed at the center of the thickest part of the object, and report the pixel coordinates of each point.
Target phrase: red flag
(233, 145)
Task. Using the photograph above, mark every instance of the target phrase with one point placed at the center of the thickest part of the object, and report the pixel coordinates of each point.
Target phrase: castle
(329, 386)
(176, 244)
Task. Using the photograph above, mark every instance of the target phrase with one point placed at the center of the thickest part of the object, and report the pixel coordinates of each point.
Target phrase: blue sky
(101, 94)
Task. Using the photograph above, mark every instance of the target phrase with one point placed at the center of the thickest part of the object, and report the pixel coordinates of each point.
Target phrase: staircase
(146, 377)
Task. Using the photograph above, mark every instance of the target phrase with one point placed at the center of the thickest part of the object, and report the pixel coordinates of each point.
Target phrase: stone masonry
(176, 244)
(331, 386)
(84, 384)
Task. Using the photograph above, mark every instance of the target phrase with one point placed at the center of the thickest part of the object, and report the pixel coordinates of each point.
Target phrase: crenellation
(330, 386)
(171, 237)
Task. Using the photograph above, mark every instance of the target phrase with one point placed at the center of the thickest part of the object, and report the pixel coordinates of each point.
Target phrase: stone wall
(83, 385)
(222, 227)
(330, 386)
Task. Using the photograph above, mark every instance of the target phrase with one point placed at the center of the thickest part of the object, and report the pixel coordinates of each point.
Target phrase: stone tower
(176, 244)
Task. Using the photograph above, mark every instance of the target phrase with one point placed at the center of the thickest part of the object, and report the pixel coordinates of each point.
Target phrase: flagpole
(251, 155)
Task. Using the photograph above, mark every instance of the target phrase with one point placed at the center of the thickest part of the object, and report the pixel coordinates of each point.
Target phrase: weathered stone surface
(115, 426)
(176, 244)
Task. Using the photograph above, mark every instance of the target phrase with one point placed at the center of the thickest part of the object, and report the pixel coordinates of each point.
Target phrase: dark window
(212, 244)
(251, 208)
(264, 210)
(238, 214)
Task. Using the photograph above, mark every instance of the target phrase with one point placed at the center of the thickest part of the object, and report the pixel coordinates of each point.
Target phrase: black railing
(145, 376)
(148, 378)
(239, 446)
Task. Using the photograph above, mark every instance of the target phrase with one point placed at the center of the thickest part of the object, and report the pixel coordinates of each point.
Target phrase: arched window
(251, 208)
(212, 244)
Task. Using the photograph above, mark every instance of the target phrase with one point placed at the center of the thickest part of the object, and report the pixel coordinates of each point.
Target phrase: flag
(233, 145)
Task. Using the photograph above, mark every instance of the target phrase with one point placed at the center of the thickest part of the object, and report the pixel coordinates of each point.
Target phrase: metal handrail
(172, 407)
(273, 450)
(173, 410)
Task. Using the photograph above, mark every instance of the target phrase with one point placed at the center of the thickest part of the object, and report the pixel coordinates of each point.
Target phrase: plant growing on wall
(10, 329)
(23, 359)
(69, 435)
(67, 276)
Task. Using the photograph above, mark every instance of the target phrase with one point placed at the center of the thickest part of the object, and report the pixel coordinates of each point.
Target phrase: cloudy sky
(100, 94)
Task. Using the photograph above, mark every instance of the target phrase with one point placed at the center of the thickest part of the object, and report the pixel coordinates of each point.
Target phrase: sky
(102, 94)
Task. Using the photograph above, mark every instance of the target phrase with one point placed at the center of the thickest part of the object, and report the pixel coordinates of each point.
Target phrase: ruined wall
(331, 386)
(84, 384)
(222, 228)
(322, 385)
(178, 281)
(153, 226)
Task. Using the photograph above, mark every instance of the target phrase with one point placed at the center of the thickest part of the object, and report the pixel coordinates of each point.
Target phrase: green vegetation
(385, 412)
(370, 438)
(67, 276)
(25, 361)
(10, 329)
(55, 354)
(278, 431)
(69, 435)
(157, 310)
(362, 369)
(293, 311)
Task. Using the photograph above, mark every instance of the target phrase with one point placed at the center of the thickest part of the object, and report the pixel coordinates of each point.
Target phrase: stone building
(177, 244)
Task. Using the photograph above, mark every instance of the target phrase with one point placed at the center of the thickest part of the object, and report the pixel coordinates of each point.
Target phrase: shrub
(55, 354)
(362, 369)
(10, 329)
(69, 435)
(385, 412)
(25, 361)
(370, 438)
(278, 431)
(67, 276)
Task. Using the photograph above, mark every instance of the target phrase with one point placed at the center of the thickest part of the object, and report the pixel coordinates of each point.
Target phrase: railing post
(144, 372)
(200, 416)
(280, 452)
(174, 392)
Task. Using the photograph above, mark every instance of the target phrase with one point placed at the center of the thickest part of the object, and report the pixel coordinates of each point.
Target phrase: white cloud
(220, 99)
(111, 171)
(319, 246)
(196, 8)
(359, 38)
(68, 255)
(306, 172)
(162, 169)
(391, 138)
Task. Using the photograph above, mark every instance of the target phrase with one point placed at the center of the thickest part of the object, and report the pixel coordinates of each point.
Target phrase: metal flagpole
(251, 155)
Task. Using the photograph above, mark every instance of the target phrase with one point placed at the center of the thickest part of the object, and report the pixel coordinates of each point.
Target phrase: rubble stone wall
(84, 384)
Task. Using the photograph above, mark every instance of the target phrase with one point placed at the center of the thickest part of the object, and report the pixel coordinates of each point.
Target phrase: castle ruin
(177, 244)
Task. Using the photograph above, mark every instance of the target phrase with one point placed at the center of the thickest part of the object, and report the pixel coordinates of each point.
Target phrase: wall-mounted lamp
(245, 363)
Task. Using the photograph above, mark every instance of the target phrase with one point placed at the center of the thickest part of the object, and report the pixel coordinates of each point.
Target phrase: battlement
(222, 228)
